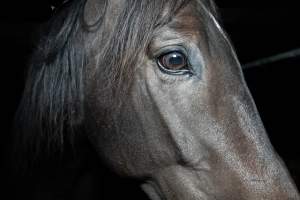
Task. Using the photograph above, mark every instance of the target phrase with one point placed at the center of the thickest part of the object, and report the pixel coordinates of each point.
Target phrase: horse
(156, 87)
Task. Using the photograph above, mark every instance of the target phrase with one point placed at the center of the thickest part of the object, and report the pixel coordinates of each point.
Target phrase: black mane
(53, 95)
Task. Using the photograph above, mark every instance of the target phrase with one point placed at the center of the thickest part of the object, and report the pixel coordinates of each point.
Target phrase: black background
(256, 30)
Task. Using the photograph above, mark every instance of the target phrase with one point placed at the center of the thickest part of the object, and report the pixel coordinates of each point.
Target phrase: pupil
(176, 60)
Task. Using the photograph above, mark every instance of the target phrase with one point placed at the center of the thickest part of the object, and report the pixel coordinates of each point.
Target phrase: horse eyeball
(173, 61)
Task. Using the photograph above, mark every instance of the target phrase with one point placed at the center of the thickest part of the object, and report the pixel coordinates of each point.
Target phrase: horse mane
(52, 99)
(52, 106)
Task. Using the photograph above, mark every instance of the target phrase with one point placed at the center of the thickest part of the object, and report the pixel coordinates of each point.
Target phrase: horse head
(162, 99)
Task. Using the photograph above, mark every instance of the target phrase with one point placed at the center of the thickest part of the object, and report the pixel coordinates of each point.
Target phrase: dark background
(256, 30)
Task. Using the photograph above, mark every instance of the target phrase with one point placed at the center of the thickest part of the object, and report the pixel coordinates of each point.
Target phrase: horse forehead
(187, 21)
(186, 26)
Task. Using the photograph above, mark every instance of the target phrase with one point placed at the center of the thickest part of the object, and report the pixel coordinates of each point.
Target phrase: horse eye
(173, 61)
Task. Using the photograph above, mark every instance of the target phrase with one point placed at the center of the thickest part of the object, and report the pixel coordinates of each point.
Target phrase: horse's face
(189, 125)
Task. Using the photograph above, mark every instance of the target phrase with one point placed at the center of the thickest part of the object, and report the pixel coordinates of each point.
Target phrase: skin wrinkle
(197, 137)
(178, 136)
(152, 191)
(177, 149)
(167, 180)
(154, 107)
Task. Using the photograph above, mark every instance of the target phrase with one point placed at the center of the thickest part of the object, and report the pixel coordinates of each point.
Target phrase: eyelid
(175, 72)
(170, 48)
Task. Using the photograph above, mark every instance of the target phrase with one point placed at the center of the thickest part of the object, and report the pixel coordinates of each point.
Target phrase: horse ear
(213, 8)
(94, 11)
